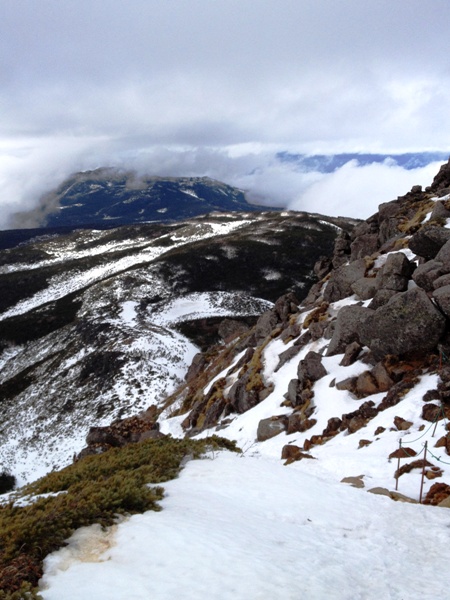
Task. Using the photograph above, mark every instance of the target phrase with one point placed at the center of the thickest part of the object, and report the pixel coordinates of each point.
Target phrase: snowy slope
(246, 528)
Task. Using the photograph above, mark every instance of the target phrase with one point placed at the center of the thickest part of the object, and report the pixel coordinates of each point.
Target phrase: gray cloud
(218, 86)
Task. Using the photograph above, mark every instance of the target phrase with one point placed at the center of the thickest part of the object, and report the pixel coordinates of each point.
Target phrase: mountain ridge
(112, 197)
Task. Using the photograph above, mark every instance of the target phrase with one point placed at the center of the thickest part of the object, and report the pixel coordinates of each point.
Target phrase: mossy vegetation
(318, 314)
(412, 223)
(93, 490)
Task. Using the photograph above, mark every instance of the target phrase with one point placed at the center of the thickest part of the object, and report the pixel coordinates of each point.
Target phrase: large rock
(341, 252)
(409, 322)
(428, 241)
(381, 298)
(365, 288)
(364, 245)
(395, 273)
(441, 281)
(280, 313)
(311, 368)
(198, 364)
(389, 219)
(265, 325)
(425, 275)
(340, 284)
(440, 211)
(442, 179)
(269, 428)
(443, 255)
(347, 328)
(442, 297)
(242, 396)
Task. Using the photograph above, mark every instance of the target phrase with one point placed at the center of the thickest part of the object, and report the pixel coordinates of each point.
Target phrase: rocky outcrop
(121, 433)
(441, 182)
(395, 273)
(374, 302)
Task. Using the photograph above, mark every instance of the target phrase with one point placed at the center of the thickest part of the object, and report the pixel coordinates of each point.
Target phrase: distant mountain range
(328, 163)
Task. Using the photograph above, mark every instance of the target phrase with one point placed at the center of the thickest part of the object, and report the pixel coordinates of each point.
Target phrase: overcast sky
(217, 87)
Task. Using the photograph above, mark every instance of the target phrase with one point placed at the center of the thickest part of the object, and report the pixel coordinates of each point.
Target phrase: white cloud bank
(357, 191)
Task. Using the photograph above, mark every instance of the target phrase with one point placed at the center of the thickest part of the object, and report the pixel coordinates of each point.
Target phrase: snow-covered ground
(244, 528)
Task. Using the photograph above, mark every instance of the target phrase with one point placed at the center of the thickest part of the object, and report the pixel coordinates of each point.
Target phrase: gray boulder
(444, 255)
(425, 275)
(240, 397)
(286, 356)
(442, 297)
(408, 322)
(346, 330)
(395, 273)
(199, 363)
(311, 368)
(440, 211)
(381, 298)
(265, 325)
(365, 288)
(364, 245)
(388, 215)
(269, 428)
(441, 281)
(351, 353)
(340, 284)
(428, 241)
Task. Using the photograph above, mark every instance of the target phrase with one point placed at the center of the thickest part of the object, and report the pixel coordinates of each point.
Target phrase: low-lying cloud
(29, 172)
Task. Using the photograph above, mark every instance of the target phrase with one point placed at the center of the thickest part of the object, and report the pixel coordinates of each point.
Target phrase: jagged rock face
(442, 180)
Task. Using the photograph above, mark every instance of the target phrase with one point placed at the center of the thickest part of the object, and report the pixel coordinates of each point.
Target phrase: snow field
(241, 528)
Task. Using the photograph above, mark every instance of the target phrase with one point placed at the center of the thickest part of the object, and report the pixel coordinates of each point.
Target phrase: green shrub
(92, 490)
